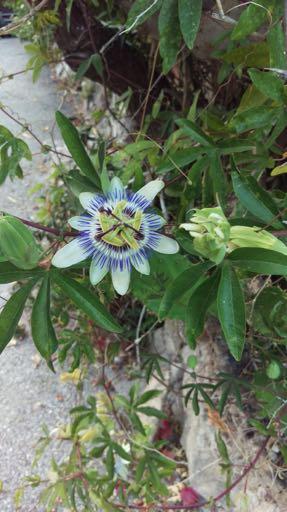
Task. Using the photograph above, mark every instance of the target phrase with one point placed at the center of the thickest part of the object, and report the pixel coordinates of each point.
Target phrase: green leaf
(231, 310)
(199, 302)
(110, 463)
(269, 312)
(218, 179)
(17, 243)
(97, 62)
(251, 19)
(179, 159)
(9, 273)
(83, 68)
(260, 261)
(195, 404)
(148, 395)
(2, 256)
(151, 411)
(12, 312)
(140, 470)
(255, 54)
(75, 146)
(255, 199)
(251, 98)
(276, 43)
(136, 422)
(222, 448)
(273, 370)
(268, 84)
(78, 183)
(195, 132)
(185, 281)
(189, 12)
(169, 31)
(86, 301)
(256, 117)
(43, 333)
(141, 11)
(121, 452)
(280, 169)
(11, 153)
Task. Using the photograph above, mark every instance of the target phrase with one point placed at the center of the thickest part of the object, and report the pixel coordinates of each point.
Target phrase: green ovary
(120, 229)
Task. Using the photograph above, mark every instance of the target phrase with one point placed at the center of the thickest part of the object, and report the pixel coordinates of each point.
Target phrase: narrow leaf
(231, 310)
(86, 301)
(276, 43)
(169, 32)
(268, 84)
(189, 18)
(195, 132)
(251, 19)
(198, 305)
(185, 281)
(142, 10)
(260, 261)
(42, 330)
(12, 312)
(218, 179)
(255, 199)
(76, 147)
(9, 273)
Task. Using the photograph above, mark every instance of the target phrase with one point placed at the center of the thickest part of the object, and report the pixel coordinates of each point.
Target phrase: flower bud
(245, 236)
(210, 230)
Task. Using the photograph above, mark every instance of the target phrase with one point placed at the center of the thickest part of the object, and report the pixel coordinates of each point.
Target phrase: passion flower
(118, 232)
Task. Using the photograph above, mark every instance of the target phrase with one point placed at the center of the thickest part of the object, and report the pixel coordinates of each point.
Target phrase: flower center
(119, 226)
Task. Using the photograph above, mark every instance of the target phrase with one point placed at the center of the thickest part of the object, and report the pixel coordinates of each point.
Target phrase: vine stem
(27, 128)
(73, 234)
(53, 231)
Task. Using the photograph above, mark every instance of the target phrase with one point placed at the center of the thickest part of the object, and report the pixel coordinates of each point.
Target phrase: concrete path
(30, 396)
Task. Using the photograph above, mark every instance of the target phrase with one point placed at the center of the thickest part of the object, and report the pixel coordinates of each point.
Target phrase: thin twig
(137, 340)
(18, 23)
(28, 129)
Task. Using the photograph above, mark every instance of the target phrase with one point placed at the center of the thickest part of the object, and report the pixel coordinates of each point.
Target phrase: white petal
(116, 186)
(70, 254)
(78, 222)
(85, 199)
(142, 267)
(151, 189)
(121, 280)
(97, 273)
(155, 221)
(166, 245)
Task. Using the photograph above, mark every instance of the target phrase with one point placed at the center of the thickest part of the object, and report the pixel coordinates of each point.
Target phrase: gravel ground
(30, 395)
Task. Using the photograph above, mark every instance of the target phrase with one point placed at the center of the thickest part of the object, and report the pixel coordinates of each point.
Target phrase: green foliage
(42, 329)
(168, 24)
(199, 303)
(86, 301)
(224, 200)
(189, 17)
(12, 312)
(231, 310)
(75, 146)
(18, 244)
(12, 151)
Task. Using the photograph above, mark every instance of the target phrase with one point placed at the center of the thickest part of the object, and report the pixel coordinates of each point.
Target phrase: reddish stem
(207, 502)
(53, 231)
